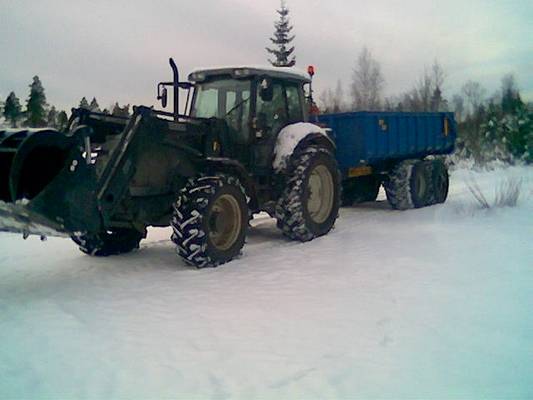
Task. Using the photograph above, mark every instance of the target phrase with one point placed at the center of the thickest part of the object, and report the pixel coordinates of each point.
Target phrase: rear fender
(297, 136)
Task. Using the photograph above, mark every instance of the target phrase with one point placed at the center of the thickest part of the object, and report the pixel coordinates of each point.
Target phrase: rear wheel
(409, 185)
(421, 184)
(111, 242)
(440, 182)
(210, 220)
(310, 202)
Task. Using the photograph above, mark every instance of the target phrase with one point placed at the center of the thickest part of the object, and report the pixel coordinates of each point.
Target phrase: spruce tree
(36, 105)
(84, 103)
(121, 111)
(94, 105)
(282, 39)
(12, 109)
(62, 120)
(52, 117)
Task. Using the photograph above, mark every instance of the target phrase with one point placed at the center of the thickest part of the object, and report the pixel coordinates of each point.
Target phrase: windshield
(227, 99)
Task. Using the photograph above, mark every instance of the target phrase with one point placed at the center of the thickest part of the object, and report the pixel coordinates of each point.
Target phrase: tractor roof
(201, 74)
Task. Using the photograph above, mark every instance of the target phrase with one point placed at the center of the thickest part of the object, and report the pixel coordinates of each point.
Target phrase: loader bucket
(46, 188)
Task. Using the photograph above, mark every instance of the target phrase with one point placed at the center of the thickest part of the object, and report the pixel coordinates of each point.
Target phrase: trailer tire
(409, 185)
(210, 220)
(309, 204)
(109, 243)
(440, 182)
(397, 185)
(421, 184)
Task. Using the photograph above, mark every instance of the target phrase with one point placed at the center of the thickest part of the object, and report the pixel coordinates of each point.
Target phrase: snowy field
(433, 303)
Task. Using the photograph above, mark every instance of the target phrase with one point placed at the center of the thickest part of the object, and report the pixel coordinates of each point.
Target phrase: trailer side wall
(370, 138)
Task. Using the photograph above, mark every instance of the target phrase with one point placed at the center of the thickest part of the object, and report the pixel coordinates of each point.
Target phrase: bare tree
(367, 82)
(426, 95)
(438, 75)
(338, 98)
(458, 104)
(474, 94)
(333, 101)
(326, 102)
(424, 89)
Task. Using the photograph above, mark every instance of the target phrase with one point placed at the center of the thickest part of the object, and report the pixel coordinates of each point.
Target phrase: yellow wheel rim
(225, 221)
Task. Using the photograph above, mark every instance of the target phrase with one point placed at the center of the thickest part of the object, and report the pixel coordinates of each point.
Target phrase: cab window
(274, 111)
(294, 104)
(227, 99)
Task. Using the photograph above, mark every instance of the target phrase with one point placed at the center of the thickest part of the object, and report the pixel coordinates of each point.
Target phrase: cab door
(282, 106)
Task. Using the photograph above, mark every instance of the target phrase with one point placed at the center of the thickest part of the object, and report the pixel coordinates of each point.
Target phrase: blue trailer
(392, 148)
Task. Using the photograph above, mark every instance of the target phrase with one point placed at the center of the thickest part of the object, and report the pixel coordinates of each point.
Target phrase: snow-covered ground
(429, 303)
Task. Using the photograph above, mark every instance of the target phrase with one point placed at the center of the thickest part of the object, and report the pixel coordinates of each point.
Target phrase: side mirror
(163, 97)
(266, 91)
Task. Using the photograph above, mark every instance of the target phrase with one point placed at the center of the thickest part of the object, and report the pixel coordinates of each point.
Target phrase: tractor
(243, 144)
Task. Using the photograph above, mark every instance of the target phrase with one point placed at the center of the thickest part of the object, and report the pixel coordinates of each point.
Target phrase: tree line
(499, 126)
(38, 113)
(489, 127)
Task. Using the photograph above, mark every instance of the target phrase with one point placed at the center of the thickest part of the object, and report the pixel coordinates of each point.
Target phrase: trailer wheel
(409, 185)
(397, 185)
(210, 220)
(310, 202)
(440, 182)
(110, 242)
(360, 190)
(421, 184)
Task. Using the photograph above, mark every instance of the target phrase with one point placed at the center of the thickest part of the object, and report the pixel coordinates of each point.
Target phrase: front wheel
(310, 202)
(210, 220)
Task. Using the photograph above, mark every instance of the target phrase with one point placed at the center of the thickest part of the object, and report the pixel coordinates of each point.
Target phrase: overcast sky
(118, 50)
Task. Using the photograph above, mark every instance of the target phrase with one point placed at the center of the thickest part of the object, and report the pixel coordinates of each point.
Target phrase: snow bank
(288, 139)
(416, 304)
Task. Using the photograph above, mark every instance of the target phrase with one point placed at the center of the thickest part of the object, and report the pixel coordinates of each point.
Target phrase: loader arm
(79, 181)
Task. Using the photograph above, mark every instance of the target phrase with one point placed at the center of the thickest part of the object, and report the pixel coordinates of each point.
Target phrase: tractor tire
(409, 185)
(310, 202)
(360, 190)
(440, 182)
(210, 220)
(109, 243)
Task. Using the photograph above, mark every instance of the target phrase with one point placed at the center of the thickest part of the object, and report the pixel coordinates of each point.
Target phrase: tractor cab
(255, 102)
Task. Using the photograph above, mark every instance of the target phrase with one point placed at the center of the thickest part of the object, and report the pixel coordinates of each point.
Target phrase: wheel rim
(225, 222)
(320, 201)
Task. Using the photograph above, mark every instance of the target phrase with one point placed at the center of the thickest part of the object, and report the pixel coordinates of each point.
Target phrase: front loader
(242, 145)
